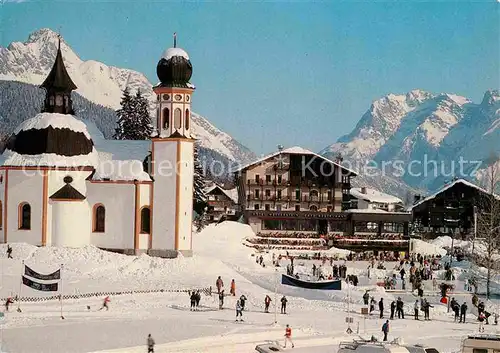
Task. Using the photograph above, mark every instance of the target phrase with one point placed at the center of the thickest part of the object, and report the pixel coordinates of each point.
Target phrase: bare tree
(488, 222)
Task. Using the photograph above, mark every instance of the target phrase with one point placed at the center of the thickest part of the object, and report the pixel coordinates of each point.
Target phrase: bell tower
(172, 156)
(174, 93)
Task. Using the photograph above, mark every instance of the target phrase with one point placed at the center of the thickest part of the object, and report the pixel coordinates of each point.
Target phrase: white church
(63, 185)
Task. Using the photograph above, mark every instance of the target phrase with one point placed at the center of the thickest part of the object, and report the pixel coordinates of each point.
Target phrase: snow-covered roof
(292, 150)
(50, 159)
(171, 52)
(57, 121)
(121, 170)
(461, 181)
(372, 195)
(231, 193)
(368, 210)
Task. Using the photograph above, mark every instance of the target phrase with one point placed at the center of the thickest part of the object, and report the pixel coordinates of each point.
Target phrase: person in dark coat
(283, 305)
(267, 302)
(399, 308)
(463, 312)
(366, 298)
(385, 329)
(381, 307)
(243, 300)
(456, 310)
(192, 298)
(393, 309)
(9, 252)
(221, 299)
(151, 344)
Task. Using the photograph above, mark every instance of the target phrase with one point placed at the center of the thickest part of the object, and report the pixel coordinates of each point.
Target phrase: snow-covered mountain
(404, 135)
(29, 62)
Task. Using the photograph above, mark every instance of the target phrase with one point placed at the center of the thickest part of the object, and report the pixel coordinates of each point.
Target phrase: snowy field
(317, 318)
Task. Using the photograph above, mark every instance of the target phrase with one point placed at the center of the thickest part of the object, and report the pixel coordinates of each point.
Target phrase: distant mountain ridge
(29, 62)
(421, 126)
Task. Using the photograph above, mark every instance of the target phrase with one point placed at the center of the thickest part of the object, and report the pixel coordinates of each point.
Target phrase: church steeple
(58, 86)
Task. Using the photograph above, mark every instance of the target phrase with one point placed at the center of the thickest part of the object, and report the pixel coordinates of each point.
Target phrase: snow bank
(50, 159)
(424, 248)
(121, 170)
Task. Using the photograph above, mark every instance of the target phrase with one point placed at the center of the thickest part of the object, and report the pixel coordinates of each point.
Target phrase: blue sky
(291, 73)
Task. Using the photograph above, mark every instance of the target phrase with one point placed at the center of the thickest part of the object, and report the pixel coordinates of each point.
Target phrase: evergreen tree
(144, 127)
(126, 117)
(199, 197)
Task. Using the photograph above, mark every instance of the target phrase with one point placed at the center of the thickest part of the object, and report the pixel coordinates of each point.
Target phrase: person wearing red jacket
(288, 335)
(105, 303)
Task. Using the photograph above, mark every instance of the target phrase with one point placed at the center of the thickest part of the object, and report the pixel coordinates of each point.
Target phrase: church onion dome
(174, 69)
(53, 140)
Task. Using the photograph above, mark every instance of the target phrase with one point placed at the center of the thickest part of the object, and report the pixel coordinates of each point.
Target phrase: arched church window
(145, 220)
(166, 118)
(313, 193)
(66, 101)
(187, 117)
(51, 100)
(177, 118)
(59, 101)
(25, 216)
(99, 218)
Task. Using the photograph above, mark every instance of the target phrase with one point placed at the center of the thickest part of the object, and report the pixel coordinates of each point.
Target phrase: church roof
(58, 78)
(67, 192)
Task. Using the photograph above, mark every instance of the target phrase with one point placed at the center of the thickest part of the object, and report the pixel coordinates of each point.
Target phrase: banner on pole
(44, 287)
(323, 285)
(52, 276)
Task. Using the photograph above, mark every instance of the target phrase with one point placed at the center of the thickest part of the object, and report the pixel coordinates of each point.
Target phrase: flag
(324, 285)
(52, 276)
(44, 287)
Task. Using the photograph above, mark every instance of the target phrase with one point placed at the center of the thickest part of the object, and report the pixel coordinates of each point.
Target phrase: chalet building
(449, 211)
(297, 193)
(371, 199)
(221, 202)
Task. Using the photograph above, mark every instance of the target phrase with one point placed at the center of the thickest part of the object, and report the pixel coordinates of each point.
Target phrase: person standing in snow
(151, 344)
(283, 305)
(8, 302)
(393, 309)
(366, 298)
(288, 335)
(481, 318)
(372, 305)
(416, 309)
(232, 291)
(399, 308)
(239, 310)
(105, 303)
(219, 284)
(221, 299)
(9, 251)
(381, 307)
(463, 312)
(267, 302)
(192, 298)
(243, 299)
(197, 298)
(385, 329)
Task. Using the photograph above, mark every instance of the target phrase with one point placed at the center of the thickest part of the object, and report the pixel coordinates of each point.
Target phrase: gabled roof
(232, 193)
(67, 192)
(293, 150)
(450, 185)
(58, 78)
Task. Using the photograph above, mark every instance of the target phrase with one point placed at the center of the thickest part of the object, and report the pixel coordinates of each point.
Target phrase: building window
(59, 101)
(268, 178)
(177, 118)
(313, 208)
(280, 179)
(329, 195)
(256, 206)
(25, 216)
(186, 119)
(297, 207)
(297, 194)
(328, 208)
(257, 178)
(278, 207)
(51, 100)
(166, 118)
(99, 218)
(267, 207)
(278, 194)
(145, 220)
(66, 101)
(268, 193)
(257, 194)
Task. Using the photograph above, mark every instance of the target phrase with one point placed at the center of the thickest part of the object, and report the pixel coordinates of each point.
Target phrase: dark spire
(58, 86)
(175, 39)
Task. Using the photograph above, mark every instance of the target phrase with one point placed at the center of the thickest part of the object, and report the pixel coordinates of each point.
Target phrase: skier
(481, 319)
(239, 310)
(385, 329)
(151, 344)
(219, 284)
(381, 307)
(288, 335)
(221, 299)
(283, 305)
(366, 298)
(463, 312)
(416, 309)
(399, 308)
(192, 298)
(372, 305)
(9, 252)
(393, 309)
(267, 302)
(243, 299)
(233, 288)
(8, 302)
(198, 298)
(105, 303)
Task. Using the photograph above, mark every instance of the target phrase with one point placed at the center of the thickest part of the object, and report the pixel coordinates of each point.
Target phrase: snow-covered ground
(317, 317)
